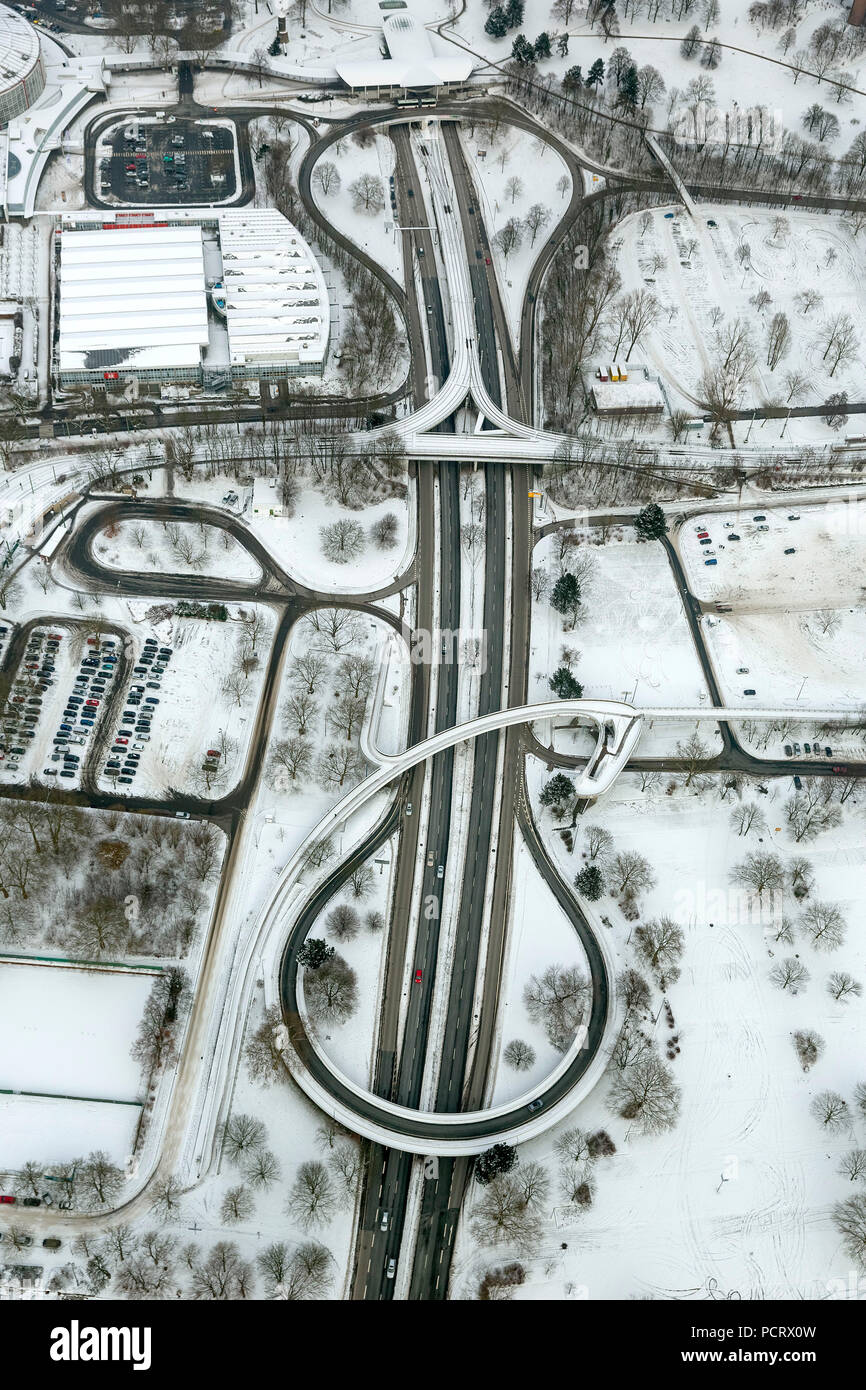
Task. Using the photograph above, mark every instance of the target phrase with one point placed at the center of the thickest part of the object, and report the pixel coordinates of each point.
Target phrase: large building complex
(200, 298)
(22, 71)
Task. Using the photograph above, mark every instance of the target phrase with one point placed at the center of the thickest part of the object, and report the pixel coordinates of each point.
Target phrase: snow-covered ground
(753, 70)
(736, 1200)
(633, 642)
(65, 1034)
(373, 230)
(296, 542)
(703, 288)
(352, 1045)
(540, 935)
(52, 1130)
(754, 573)
(157, 547)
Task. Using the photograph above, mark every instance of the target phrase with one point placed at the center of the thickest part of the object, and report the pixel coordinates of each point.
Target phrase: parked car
(789, 752)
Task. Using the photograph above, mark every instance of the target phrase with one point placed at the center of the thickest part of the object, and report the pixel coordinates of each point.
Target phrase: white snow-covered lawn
(176, 548)
(52, 1130)
(736, 1200)
(703, 288)
(633, 641)
(67, 1032)
(296, 543)
(351, 1045)
(540, 935)
(367, 228)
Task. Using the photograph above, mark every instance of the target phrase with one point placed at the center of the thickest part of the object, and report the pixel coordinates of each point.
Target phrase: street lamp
(800, 691)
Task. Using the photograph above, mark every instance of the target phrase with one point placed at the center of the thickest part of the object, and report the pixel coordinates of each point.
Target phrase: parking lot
(133, 734)
(175, 161)
(55, 700)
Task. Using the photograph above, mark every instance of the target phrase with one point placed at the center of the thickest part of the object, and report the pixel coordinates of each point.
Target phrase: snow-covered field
(156, 547)
(373, 229)
(295, 541)
(703, 288)
(51, 1130)
(633, 642)
(352, 1045)
(736, 1200)
(540, 935)
(67, 1032)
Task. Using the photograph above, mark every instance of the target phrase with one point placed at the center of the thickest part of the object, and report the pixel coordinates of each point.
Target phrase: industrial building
(22, 71)
(180, 296)
(416, 62)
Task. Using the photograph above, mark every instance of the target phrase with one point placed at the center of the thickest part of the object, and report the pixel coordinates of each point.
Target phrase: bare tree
(367, 195)
(760, 873)
(599, 843)
(831, 1110)
(222, 1275)
(243, 1135)
(647, 1094)
(852, 1165)
(842, 986)
(660, 943)
(344, 540)
(825, 925)
(790, 974)
(237, 1205)
(343, 922)
(312, 1200)
(632, 873)
(293, 756)
(557, 999)
(308, 670)
(748, 817)
(263, 1169)
(808, 1046)
(326, 176)
(536, 220)
(331, 991)
(519, 1055)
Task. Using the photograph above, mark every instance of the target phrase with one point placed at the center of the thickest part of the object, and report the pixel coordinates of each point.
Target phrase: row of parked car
(24, 703)
(79, 717)
(813, 750)
(123, 761)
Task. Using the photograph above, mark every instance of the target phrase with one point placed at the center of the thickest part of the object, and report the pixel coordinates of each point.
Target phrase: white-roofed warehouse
(201, 298)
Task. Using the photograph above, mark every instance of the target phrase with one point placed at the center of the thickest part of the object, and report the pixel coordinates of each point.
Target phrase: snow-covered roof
(413, 61)
(640, 394)
(19, 47)
(132, 296)
(277, 305)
